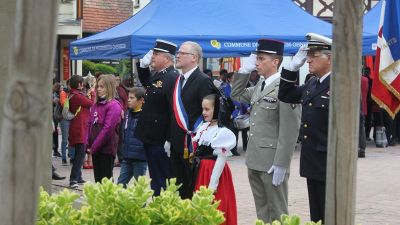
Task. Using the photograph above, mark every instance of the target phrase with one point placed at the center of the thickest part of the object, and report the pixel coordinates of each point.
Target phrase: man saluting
(314, 96)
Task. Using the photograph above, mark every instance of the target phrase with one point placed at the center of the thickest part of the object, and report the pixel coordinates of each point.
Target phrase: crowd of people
(183, 123)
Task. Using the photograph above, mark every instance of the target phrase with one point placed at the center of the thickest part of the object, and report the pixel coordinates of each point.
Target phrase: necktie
(182, 80)
(262, 85)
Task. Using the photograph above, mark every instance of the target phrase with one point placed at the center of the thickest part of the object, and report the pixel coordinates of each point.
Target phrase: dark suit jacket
(154, 121)
(314, 121)
(195, 89)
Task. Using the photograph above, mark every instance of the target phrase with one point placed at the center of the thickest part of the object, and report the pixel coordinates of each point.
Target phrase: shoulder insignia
(270, 99)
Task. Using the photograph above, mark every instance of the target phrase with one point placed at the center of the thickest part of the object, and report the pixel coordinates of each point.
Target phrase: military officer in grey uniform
(314, 96)
(154, 123)
(274, 128)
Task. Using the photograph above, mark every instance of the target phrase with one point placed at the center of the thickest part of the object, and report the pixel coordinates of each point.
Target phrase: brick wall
(98, 15)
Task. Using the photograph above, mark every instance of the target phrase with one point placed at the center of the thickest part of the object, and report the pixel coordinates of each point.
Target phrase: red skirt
(225, 191)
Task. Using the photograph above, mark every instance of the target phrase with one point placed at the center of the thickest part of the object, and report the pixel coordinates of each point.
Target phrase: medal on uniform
(185, 153)
(158, 84)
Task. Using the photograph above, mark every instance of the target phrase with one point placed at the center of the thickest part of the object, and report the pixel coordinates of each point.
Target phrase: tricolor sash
(182, 119)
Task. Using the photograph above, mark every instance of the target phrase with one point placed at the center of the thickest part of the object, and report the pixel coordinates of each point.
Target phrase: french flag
(386, 84)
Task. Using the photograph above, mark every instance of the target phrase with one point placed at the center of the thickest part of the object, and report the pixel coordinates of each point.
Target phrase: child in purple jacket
(104, 120)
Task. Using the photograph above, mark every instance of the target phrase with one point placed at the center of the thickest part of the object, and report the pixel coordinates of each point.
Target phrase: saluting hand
(298, 60)
(146, 60)
(248, 64)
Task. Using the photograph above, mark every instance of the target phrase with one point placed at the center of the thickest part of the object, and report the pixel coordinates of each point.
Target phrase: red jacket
(364, 95)
(122, 97)
(78, 125)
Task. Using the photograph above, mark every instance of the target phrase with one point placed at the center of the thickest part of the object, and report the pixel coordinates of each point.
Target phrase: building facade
(99, 15)
(69, 28)
(324, 8)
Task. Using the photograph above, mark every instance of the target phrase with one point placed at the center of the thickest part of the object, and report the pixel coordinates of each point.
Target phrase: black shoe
(82, 181)
(361, 154)
(56, 154)
(56, 176)
(64, 162)
(235, 153)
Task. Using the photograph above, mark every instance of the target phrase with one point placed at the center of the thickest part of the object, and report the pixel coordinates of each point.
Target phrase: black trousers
(316, 199)
(159, 167)
(245, 138)
(103, 165)
(181, 170)
(389, 124)
(362, 138)
(55, 137)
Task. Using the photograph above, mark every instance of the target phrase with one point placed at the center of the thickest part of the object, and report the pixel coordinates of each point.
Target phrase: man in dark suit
(314, 96)
(194, 86)
(154, 121)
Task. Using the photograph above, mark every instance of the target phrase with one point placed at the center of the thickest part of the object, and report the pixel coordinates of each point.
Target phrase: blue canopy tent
(222, 28)
(371, 26)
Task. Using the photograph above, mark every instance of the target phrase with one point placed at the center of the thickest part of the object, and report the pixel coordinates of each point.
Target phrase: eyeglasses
(184, 53)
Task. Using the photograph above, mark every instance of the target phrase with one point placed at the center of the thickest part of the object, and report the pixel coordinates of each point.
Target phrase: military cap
(318, 42)
(165, 46)
(270, 46)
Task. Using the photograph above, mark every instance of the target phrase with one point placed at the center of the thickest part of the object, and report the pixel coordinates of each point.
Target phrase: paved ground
(378, 185)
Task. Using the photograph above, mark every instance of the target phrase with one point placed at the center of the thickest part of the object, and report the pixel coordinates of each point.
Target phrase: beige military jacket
(274, 125)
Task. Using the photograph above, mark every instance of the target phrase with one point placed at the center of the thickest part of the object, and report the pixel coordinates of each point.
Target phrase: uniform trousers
(103, 165)
(181, 170)
(271, 201)
(316, 199)
(159, 166)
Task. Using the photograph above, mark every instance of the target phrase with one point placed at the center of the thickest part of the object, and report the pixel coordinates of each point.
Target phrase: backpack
(57, 112)
(66, 114)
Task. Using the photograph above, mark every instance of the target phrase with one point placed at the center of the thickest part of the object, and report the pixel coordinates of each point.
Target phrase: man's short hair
(75, 81)
(139, 92)
(197, 50)
(223, 71)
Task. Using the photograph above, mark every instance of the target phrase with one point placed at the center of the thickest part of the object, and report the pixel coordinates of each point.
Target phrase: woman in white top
(214, 144)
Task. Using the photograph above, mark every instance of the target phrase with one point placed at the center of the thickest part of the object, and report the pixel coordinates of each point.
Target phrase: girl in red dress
(214, 144)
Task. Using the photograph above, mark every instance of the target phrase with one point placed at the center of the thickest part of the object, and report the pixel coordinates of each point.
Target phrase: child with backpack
(134, 163)
(214, 145)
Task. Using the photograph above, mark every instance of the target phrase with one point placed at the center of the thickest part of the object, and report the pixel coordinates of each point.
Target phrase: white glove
(167, 148)
(279, 174)
(298, 60)
(216, 172)
(248, 64)
(146, 60)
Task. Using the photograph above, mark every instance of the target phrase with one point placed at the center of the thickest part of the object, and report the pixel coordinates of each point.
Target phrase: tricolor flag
(386, 84)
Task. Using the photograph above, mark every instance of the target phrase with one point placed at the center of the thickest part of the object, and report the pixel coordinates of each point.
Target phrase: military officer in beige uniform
(274, 128)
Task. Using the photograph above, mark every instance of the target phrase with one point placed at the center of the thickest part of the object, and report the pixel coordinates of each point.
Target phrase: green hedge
(108, 203)
(105, 69)
(88, 66)
(96, 67)
(111, 204)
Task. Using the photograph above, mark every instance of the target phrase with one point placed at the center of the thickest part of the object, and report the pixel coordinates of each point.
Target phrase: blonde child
(105, 116)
